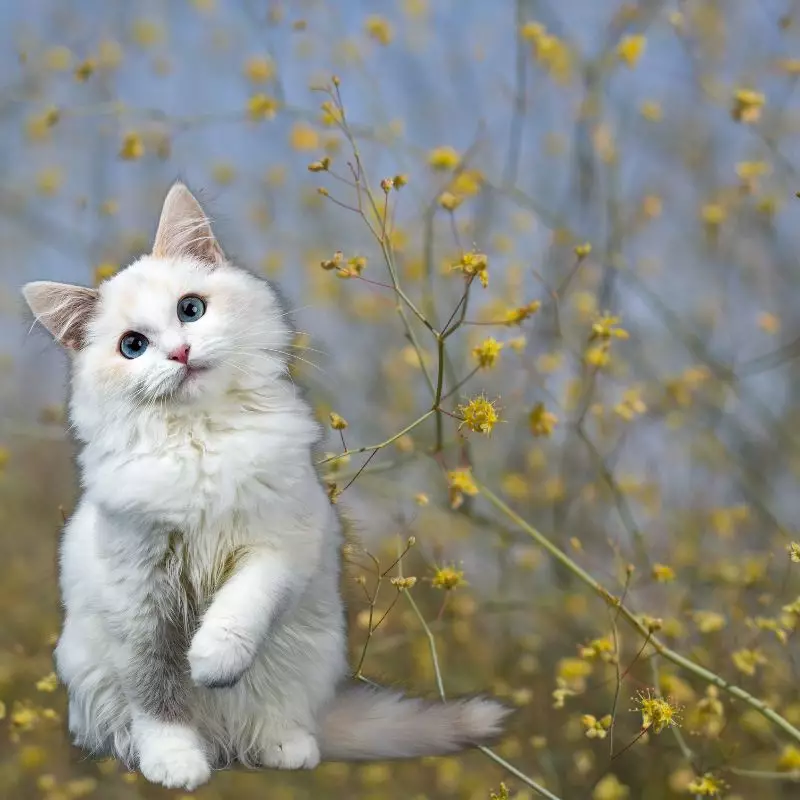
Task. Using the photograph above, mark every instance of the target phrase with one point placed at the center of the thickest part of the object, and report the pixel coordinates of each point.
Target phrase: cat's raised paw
(294, 749)
(219, 656)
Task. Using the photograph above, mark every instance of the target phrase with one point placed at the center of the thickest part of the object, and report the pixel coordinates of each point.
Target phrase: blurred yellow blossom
(631, 48)
(379, 29)
(707, 785)
(541, 421)
(444, 158)
(260, 106)
(487, 352)
(747, 105)
(259, 69)
(132, 147)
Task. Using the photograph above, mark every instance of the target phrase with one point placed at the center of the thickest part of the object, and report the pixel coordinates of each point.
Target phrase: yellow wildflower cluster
(631, 48)
(447, 578)
(474, 264)
(707, 785)
(747, 105)
(596, 728)
(460, 483)
(657, 713)
(550, 51)
(487, 352)
(261, 106)
(444, 158)
(479, 415)
(516, 316)
(541, 421)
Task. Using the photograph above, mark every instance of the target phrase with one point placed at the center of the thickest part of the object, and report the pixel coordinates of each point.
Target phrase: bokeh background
(659, 139)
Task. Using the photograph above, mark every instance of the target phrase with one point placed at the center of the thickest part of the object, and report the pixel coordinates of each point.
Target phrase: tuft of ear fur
(184, 230)
(65, 310)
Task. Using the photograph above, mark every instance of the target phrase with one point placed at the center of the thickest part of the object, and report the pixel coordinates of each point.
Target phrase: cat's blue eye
(133, 344)
(191, 308)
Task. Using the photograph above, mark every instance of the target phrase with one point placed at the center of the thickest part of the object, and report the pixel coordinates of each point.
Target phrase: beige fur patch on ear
(65, 310)
(184, 230)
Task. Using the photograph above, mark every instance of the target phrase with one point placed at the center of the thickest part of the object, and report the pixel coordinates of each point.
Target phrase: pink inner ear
(64, 310)
(184, 229)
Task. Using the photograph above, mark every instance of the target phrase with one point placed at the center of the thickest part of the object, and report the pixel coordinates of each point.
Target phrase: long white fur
(226, 458)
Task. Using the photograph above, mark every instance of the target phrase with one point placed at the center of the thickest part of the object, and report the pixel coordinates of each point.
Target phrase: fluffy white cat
(200, 570)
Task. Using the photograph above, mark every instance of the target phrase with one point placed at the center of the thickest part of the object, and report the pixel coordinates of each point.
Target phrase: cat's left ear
(184, 230)
(65, 310)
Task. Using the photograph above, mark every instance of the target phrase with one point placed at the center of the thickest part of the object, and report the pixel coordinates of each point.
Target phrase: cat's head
(175, 327)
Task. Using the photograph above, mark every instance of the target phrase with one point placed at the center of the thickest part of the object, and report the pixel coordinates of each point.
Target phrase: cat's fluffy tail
(365, 723)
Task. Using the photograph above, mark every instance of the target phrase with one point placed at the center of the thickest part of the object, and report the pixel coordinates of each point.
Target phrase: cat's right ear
(64, 309)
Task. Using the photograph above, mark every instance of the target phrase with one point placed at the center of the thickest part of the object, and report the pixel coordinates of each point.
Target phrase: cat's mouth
(191, 371)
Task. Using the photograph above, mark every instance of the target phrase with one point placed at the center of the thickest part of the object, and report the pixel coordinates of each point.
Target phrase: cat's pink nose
(180, 354)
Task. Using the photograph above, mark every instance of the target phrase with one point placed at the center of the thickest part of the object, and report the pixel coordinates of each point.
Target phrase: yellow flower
(444, 158)
(146, 32)
(651, 111)
(259, 69)
(447, 578)
(746, 661)
(747, 105)
(109, 54)
(379, 29)
(662, 573)
(85, 70)
(708, 621)
(516, 316)
(610, 788)
(49, 180)
(602, 649)
(657, 713)
(573, 672)
(104, 271)
(449, 201)
(337, 423)
(467, 183)
(789, 760)
(583, 250)
(502, 794)
(707, 786)
(479, 415)
(630, 49)
(49, 683)
(472, 264)
(403, 583)
(794, 552)
(461, 479)
(303, 137)
(487, 352)
(596, 728)
(39, 126)
(606, 326)
(58, 58)
(223, 172)
(132, 147)
(260, 106)
(541, 421)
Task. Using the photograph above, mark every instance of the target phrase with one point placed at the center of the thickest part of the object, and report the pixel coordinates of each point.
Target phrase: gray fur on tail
(364, 723)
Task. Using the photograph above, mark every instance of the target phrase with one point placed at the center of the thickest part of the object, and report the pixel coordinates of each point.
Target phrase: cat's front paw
(219, 656)
(173, 756)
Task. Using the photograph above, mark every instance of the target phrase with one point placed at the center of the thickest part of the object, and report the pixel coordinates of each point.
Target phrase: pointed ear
(184, 229)
(65, 310)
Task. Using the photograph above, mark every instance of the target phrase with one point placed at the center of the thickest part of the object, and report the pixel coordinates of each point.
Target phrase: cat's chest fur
(199, 472)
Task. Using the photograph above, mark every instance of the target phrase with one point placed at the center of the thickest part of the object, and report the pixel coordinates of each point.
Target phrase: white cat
(200, 570)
